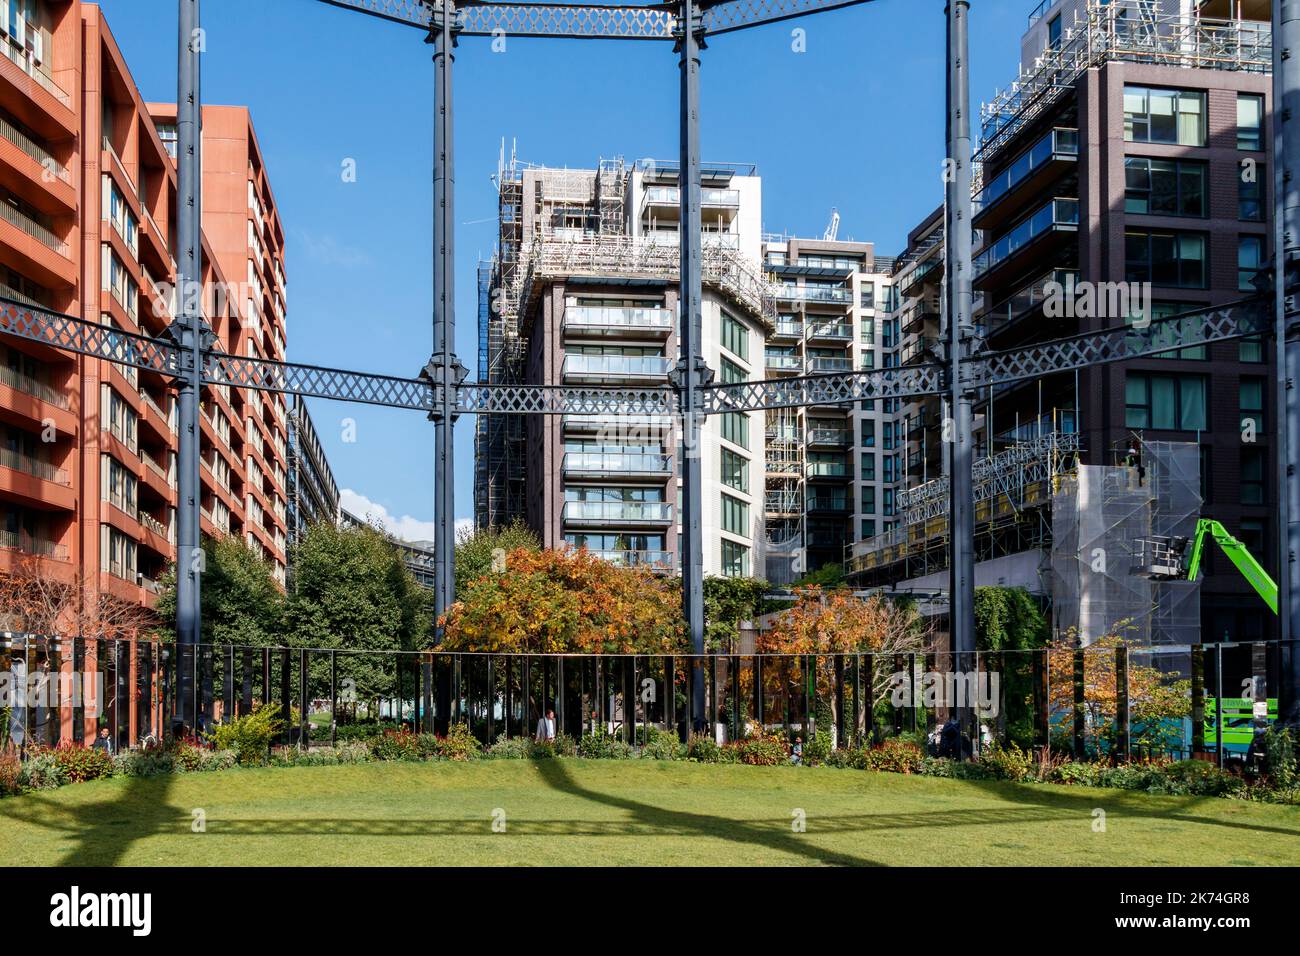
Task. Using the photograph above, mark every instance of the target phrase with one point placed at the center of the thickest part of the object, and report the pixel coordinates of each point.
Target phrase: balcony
(782, 362)
(827, 469)
(661, 200)
(834, 437)
(611, 369)
(652, 560)
(830, 332)
(620, 513)
(618, 320)
(787, 329)
(816, 294)
(22, 382)
(1058, 216)
(36, 467)
(1025, 301)
(617, 465)
(618, 424)
(916, 315)
(838, 504)
(28, 544)
(23, 61)
(918, 275)
(820, 364)
(915, 351)
(1008, 192)
(25, 223)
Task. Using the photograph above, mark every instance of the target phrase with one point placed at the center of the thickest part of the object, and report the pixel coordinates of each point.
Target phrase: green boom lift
(1179, 559)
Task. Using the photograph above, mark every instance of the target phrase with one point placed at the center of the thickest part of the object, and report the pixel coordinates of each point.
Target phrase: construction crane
(1166, 558)
(833, 229)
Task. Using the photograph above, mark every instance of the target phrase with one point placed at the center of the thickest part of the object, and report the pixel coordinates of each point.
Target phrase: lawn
(625, 812)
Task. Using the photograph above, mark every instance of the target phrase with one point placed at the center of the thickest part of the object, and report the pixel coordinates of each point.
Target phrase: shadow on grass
(101, 831)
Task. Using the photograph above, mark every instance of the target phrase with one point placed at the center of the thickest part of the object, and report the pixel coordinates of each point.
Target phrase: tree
(476, 549)
(827, 576)
(1157, 705)
(38, 601)
(565, 601)
(241, 601)
(839, 622)
(1011, 619)
(727, 602)
(351, 590)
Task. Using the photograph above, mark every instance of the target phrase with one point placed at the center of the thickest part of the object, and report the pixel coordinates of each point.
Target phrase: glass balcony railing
(828, 436)
(1027, 297)
(655, 560)
(1060, 213)
(815, 293)
(1058, 143)
(782, 362)
(788, 328)
(827, 469)
(617, 317)
(618, 512)
(616, 366)
(830, 365)
(827, 503)
(1059, 421)
(616, 421)
(671, 195)
(617, 462)
(830, 330)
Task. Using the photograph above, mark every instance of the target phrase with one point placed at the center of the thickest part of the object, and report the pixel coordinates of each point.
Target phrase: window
(1250, 194)
(1251, 394)
(735, 470)
(1163, 310)
(735, 428)
(1252, 476)
(888, 509)
(868, 528)
(117, 553)
(735, 516)
(868, 499)
(1250, 121)
(119, 485)
(1253, 535)
(1164, 187)
(1164, 116)
(1054, 32)
(735, 560)
(868, 466)
(1250, 259)
(868, 433)
(1174, 259)
(118, 281)
(1174, 402)
(867, 295)
(731, 373)
(735, 337)
(1251, 349)
(118, 418)
(118, 213)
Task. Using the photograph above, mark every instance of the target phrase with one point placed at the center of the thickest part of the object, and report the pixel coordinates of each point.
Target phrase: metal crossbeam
(475, 398)
(72, 334)
(316, 382)
(828, 389)
(591, 21)
(1215, 324)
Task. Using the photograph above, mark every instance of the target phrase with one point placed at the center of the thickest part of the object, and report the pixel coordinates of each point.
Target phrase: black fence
(1112, 703)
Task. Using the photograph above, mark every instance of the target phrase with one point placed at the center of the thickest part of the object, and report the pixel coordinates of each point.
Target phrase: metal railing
(24, 63)
(1098, 703)
(29, 544)
(22, 382)
(1059, 213)
(27, 224)
(33, 149)
(30, 465)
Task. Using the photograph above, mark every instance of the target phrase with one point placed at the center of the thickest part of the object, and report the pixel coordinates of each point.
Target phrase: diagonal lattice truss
(69, 333)
(590, 21)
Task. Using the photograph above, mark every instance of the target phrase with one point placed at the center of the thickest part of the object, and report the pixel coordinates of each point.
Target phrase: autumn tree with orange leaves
(552, 602)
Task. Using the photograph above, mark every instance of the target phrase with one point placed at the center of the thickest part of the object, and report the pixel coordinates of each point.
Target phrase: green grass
(625, 812)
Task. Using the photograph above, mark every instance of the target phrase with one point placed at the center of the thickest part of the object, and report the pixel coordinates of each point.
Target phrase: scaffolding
(1132, 30)
(783, 495)
(1100, 516)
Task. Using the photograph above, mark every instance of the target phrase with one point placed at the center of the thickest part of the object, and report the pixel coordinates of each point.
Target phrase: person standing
(546, 727)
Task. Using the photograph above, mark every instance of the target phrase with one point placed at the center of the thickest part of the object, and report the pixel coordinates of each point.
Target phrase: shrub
(349, 753)
(761, 750)
(11, 772)
(703, 749)
(510, 748)
(249, 736)
(143, 763)
(937, 767)
(1076, 772)
(79, 763)
(459, 744)
(1195, 778)
(895, 756)
(364, 730)
(662, 745)
(396, 745)
(1279, 757)
(187, 758)
(604, 746)
(1006, 763)
(562, 746)
(41, 772)
(817, 750)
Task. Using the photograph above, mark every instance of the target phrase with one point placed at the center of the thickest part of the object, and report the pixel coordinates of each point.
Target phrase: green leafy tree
(1011, 619)
(242, 602)
(475, 550)
(727, 602)
(351, 590)
(828, 576)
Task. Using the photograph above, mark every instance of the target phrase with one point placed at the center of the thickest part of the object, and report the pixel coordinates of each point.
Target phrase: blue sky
(855, 122)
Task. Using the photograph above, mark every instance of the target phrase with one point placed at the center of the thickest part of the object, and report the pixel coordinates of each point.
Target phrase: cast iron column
(691, 332)
(444, 310)
(1286, 231)
(960, 336)
(187, 329)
